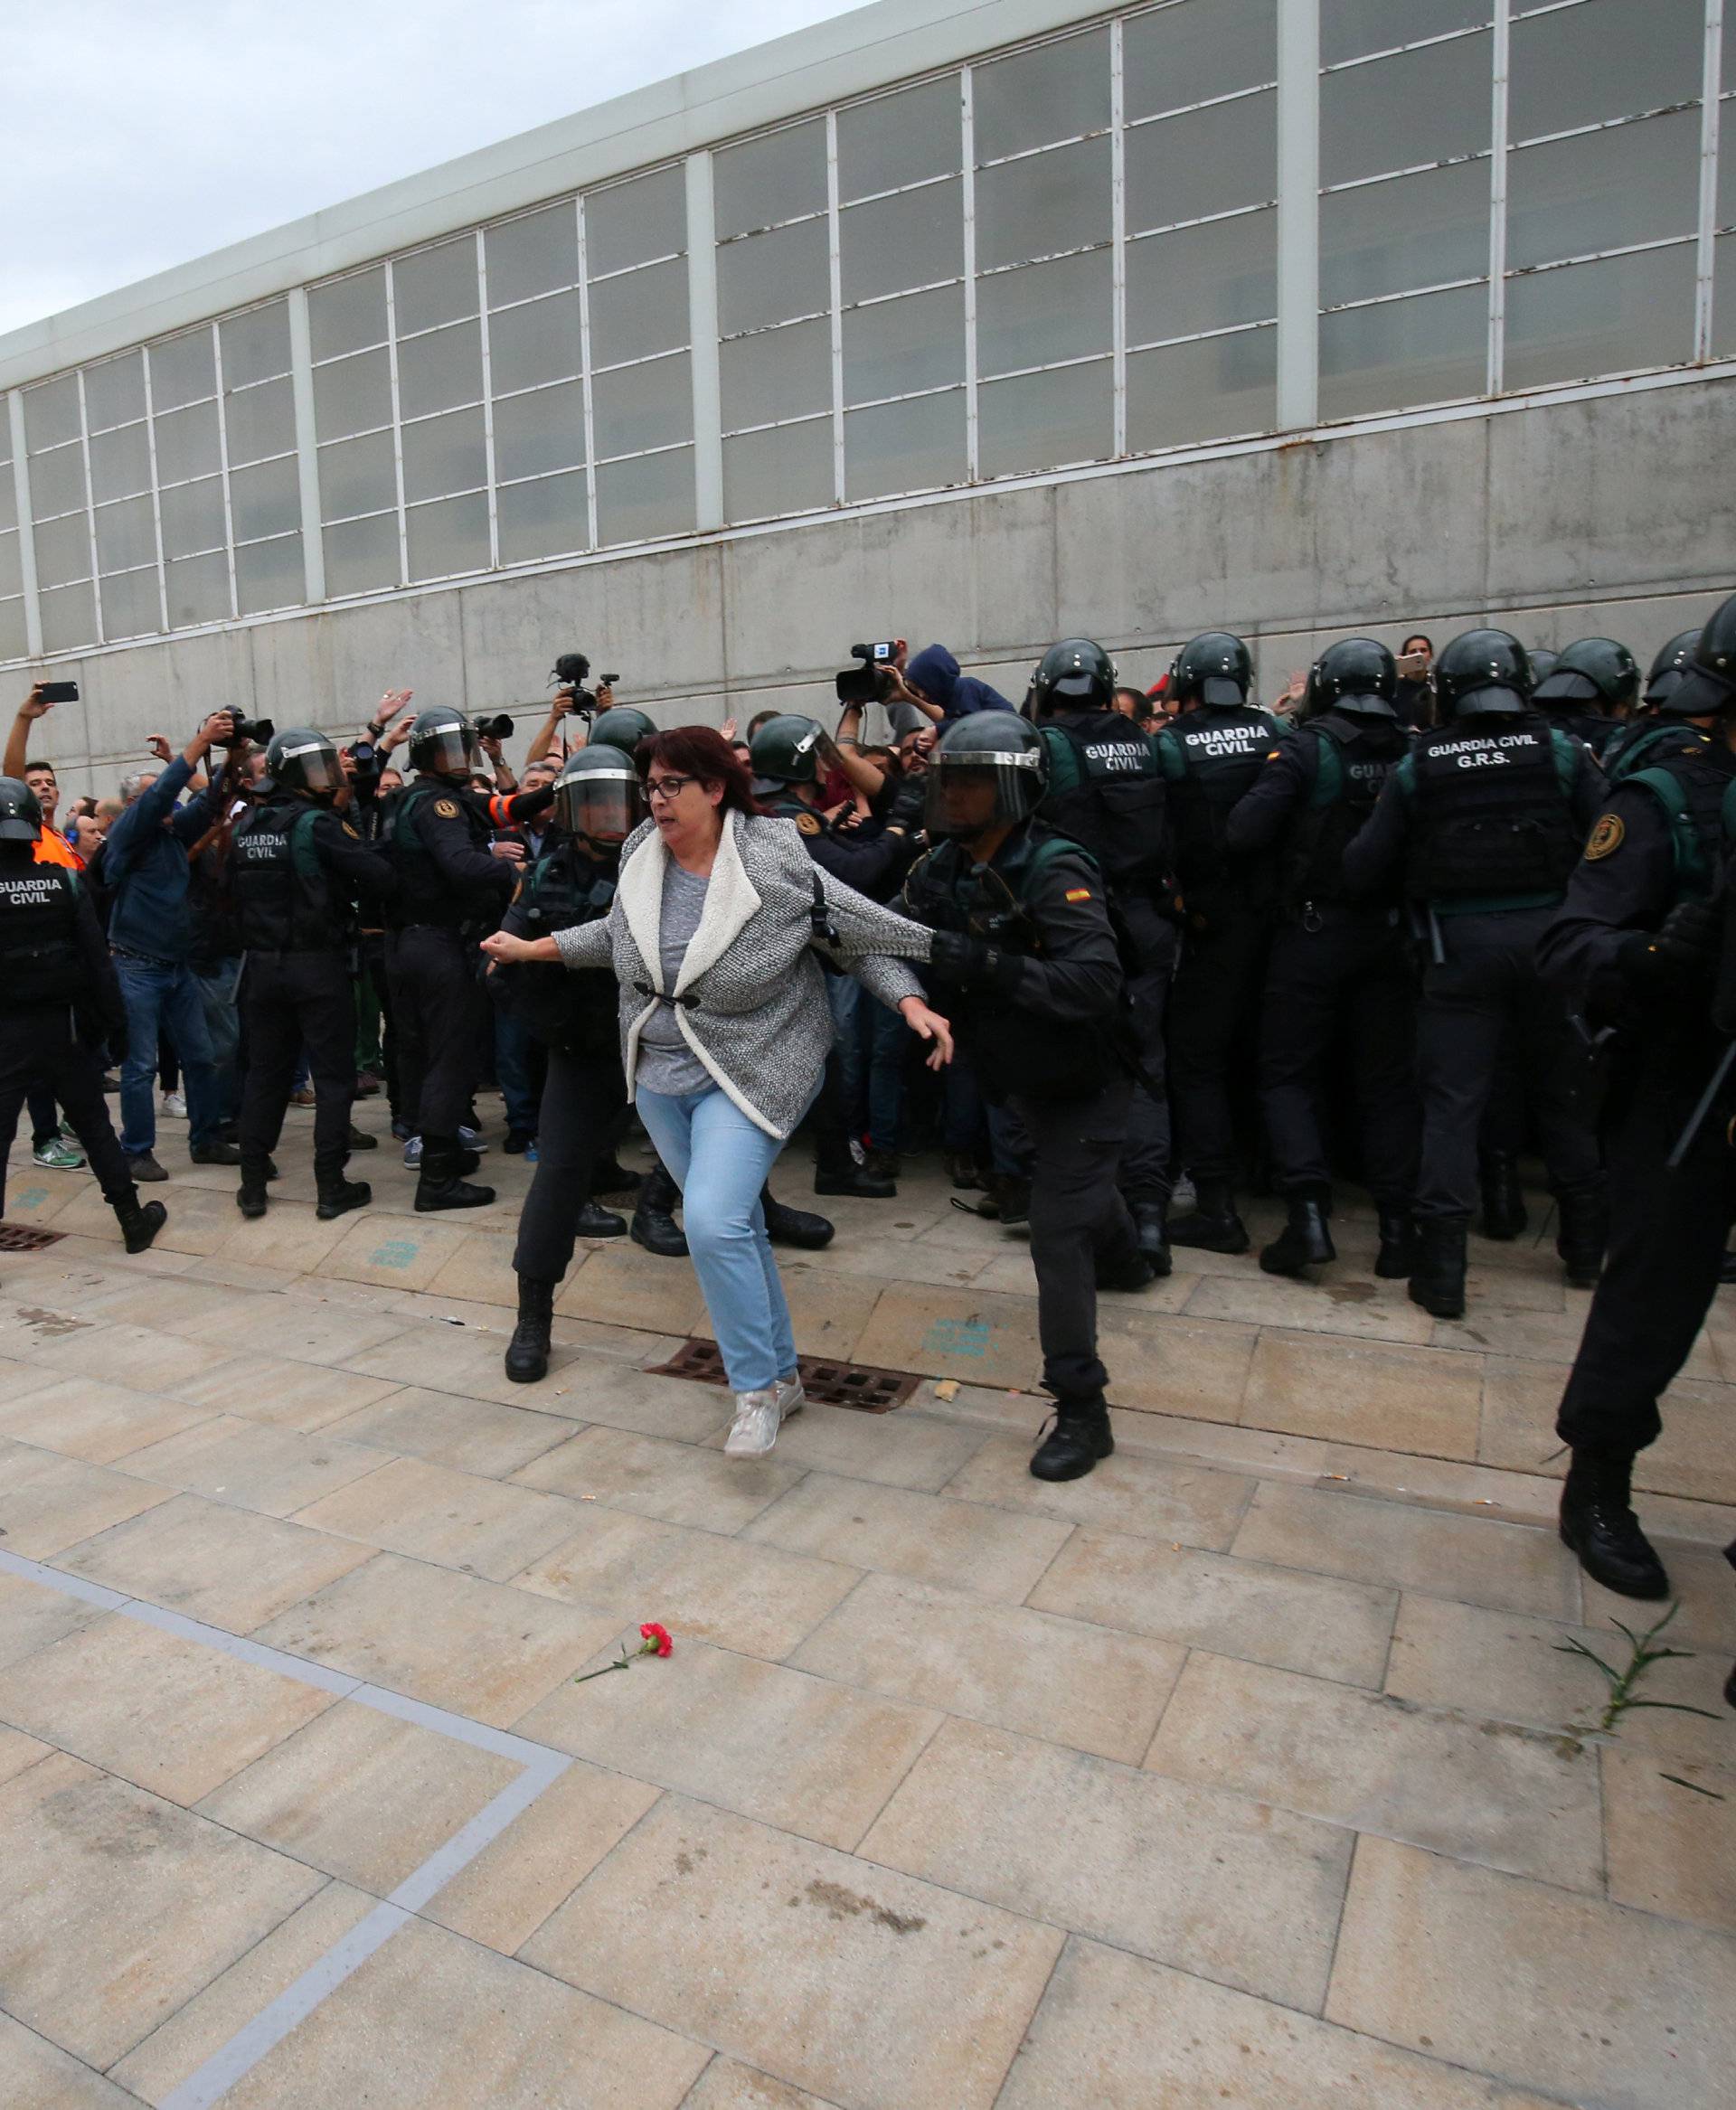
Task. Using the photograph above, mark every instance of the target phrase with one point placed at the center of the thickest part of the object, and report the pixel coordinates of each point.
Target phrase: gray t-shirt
(667, 1063)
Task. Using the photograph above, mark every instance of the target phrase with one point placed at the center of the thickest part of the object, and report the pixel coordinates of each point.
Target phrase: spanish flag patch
(1078, 893)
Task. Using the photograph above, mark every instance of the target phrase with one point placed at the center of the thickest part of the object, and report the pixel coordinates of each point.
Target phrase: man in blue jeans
(150, 935)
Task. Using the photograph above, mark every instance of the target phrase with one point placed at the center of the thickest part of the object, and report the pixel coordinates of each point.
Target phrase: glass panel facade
(939, 270)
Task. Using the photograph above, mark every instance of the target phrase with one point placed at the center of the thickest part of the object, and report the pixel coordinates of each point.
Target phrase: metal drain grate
(23, 1238)
(833, 1384)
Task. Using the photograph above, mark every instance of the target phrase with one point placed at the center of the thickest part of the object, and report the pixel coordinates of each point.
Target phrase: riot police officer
(1483, 821)
(620, 727)
(1027, 956)
(295, 869)
(1653, 721)
(450, 888)
(1635, 946)
(1211, 755)
(1105, 790)
(1590, 690)
(598, 804)
(62, 999)
(784, 755)
(1336, 963)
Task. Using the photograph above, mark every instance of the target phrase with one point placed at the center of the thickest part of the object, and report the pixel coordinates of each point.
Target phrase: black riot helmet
(20, 812)
(1357, 674)
(786, 751)
(1665, 676)
(1542, 664)
(1483, 671)
(1708, 684)
(599, 796)
(1214, 668)
(989, 771)
(1076, 674)
(1591, 670)
(620, 726)
(301, 759)
(443, 743)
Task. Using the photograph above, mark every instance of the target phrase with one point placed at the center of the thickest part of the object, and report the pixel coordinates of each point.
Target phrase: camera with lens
(871, 681)
(571, 671)
(499, 728)
(258, 731)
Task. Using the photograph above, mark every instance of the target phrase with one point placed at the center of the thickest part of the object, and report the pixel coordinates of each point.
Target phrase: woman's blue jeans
(720, 1161)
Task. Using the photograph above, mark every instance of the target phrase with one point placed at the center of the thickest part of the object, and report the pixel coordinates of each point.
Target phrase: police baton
(1703, 1107)
(1724, 1020)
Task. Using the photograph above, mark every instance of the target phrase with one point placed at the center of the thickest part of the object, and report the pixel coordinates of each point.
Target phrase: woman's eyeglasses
(667, 787)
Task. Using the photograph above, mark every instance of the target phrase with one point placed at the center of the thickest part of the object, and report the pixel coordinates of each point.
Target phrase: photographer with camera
(150, 935)
(572, 701)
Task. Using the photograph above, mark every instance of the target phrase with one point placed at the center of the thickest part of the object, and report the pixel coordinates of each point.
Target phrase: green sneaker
(58, 1156)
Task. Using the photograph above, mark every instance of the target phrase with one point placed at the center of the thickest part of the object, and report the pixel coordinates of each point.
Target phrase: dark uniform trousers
(1078, 1219)
(288, 998)
(442, 1016)
(1145, 1173)
(1667, 1241)
(1350, 973)
(40, 1051)
(1212, 1011)
(1487, 985)
(584, 1100)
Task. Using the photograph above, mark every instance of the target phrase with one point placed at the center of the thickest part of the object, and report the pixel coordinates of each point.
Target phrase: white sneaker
(175, 1105)
(755, 1428)
(791, 1399)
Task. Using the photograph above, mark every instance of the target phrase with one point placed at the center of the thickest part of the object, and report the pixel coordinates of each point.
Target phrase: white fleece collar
(730, 901)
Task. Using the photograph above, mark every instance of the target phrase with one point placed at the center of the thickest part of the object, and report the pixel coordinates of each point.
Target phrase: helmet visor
(974, 793)
(602, 806)
(445, 749)
(314, 766)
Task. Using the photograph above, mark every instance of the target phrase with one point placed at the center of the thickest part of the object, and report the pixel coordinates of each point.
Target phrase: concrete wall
(1606, 514)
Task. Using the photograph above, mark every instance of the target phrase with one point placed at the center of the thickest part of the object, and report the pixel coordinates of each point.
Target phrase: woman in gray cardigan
(725, 1026)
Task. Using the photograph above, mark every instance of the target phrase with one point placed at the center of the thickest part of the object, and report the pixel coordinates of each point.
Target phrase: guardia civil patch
(1606, 837)
(446, 809)
(809, 824)
(1078, 893)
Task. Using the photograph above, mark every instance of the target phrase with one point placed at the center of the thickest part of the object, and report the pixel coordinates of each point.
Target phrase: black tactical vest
(40, 962)
(1639, 742)
(1491, 820)
(1013, 1050)
(1694, 780)
(283, 900)
(573, 1010)
(1211, 756)
(424, 894)
(1586, 724)
(1355, 756)
(1107, 791)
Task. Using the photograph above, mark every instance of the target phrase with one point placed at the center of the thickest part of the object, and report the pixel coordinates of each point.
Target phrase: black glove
(1679, 958)
(908, 804)
(964, 960)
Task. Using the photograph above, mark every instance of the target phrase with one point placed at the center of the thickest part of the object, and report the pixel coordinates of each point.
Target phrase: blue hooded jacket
(146, 864)
(935, 672)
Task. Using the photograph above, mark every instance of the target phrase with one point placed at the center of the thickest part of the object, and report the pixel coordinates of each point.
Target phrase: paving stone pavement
(1251, 1771)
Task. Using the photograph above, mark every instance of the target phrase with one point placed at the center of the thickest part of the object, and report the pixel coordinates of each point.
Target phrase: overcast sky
(141, 135)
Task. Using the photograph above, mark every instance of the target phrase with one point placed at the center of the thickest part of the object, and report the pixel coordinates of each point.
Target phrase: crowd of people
(1119, 955)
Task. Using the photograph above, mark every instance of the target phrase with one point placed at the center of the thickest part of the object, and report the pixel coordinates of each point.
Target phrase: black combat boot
(598, 1222)
(835, 1172)
(1398, 1255)
(440, 1184)
(1213, 1222)
(1079, 1437)
(360, 1139)
(338, 1195)
(527, 1352)
(1598, 1524)
(140, 1222)
(1151, 1222)
(251, 1197)
(1012, 1203)
(654, 1224)
(1438, 1279)
(1304, 1242)
(1130, 1271)
(799, 1228)
(614, 1178)
(1582, 1232)
(1503, 1199)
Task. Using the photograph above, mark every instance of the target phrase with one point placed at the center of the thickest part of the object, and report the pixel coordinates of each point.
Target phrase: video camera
(871, 682)
(499, 728)
(571, 671)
